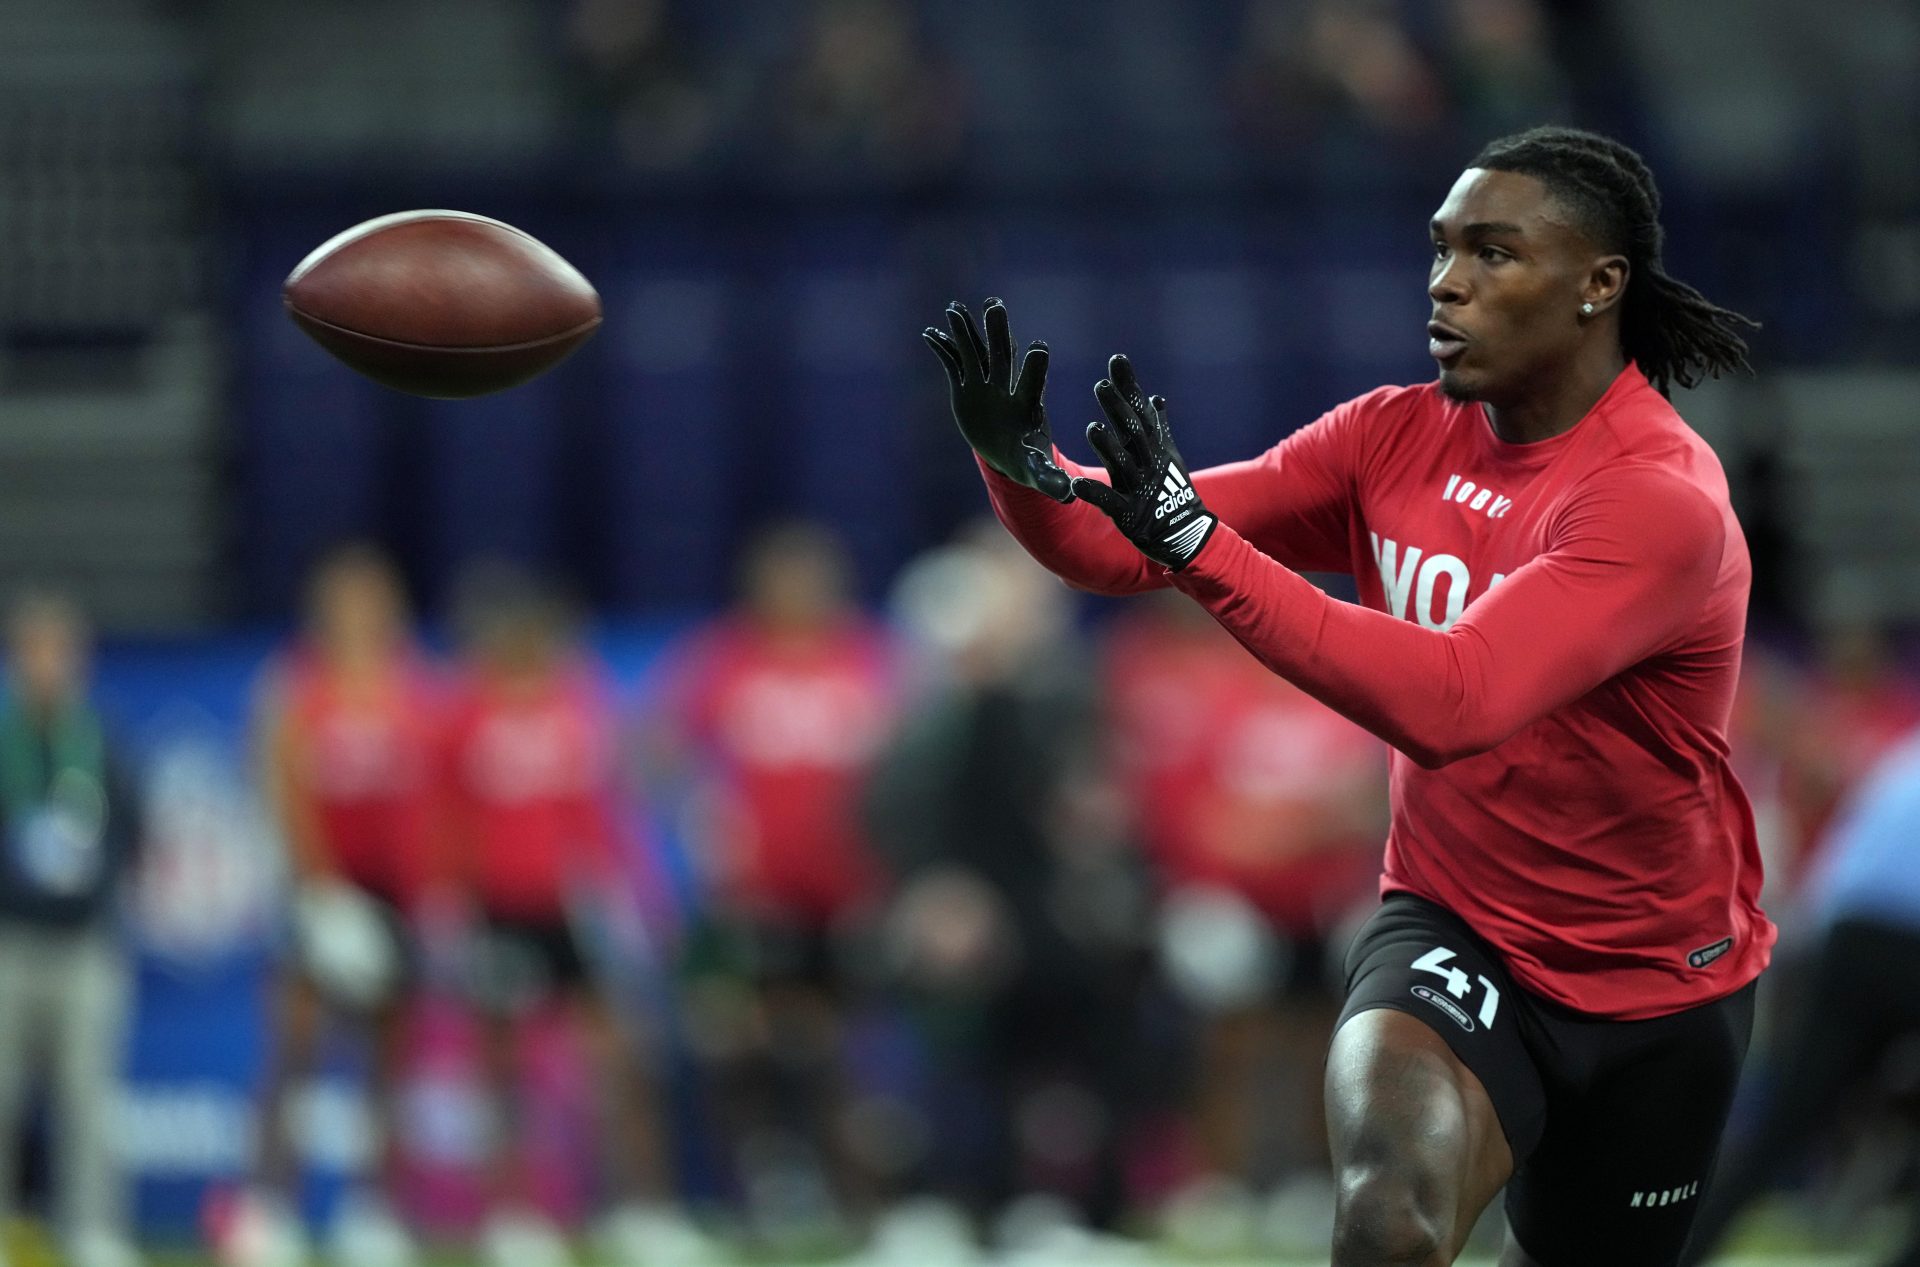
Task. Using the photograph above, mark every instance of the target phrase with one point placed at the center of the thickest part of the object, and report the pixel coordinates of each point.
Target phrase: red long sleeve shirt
(1549, 635)
(364, 769)
(529, 792)
(789, 727)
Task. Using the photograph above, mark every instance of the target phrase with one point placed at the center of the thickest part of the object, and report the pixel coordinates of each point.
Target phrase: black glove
(1001, 418)
(1152, 501)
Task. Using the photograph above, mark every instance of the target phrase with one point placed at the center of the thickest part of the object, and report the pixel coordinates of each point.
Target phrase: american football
(444, 304)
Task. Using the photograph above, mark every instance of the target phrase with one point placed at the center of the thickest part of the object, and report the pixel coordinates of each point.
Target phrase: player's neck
(1563, 400)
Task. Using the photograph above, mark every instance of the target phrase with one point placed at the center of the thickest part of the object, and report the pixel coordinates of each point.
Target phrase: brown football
(442, 303)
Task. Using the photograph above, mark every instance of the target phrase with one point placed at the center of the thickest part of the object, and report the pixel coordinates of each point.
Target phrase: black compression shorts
(1614, 1125)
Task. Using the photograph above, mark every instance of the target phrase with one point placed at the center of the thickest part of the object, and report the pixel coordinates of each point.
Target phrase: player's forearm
(1074, 542)
(1425, 692)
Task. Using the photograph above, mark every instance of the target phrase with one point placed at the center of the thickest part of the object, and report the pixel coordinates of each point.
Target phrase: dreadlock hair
(1666, 326)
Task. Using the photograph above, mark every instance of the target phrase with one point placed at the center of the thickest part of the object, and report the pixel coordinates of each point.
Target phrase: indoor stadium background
(773, 199)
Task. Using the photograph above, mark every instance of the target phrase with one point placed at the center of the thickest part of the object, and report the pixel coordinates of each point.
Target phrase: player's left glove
(1152, 502)
(1000, 415)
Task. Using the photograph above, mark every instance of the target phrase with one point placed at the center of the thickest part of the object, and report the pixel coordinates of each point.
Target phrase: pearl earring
(1586, 310)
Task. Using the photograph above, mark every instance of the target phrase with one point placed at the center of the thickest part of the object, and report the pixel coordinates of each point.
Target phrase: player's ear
(1606, 282)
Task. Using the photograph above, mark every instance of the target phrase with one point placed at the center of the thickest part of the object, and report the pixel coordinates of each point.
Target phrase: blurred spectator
(346, 735)
(1379, 90)
(768, 719)
(866, 102)
(639, 79)
(1499, 64)
(1760, 734)
(67, 839)
(1320, 78)
(534, 854)
(1853, 705)
(1865, 899)
(1263, 813)
(1016, 929)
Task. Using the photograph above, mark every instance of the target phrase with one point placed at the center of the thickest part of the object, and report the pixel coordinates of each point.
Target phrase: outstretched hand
(1002, 417)
(1151, 500)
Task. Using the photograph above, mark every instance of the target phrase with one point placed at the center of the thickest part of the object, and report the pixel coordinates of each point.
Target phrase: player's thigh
(1409, 1124)
(1417, 958)
(1618, 1176)
(1431, 1088)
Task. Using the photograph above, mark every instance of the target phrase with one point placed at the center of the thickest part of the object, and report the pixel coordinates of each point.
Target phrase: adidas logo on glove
(1176, 494)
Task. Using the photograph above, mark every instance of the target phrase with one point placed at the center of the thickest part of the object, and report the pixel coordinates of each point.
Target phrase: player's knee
(1387, 1216)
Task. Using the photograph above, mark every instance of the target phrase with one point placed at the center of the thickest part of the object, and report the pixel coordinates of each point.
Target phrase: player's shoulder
(1642, 423)
(1641, 441)
(1654, 501)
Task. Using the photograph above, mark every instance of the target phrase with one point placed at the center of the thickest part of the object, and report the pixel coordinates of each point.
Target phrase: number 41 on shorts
(1458, 984)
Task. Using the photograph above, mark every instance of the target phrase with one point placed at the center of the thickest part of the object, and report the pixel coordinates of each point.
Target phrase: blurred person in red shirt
(1759, 734)
(345, 730)
(1262, 812)
(1850, 709)
(533, 859)
(768, 719)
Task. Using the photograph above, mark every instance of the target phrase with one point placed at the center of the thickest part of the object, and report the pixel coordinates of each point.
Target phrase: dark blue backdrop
(761, 359)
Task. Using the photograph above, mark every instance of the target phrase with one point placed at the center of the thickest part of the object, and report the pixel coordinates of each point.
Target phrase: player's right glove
(1001, 417)
(1151, 500)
